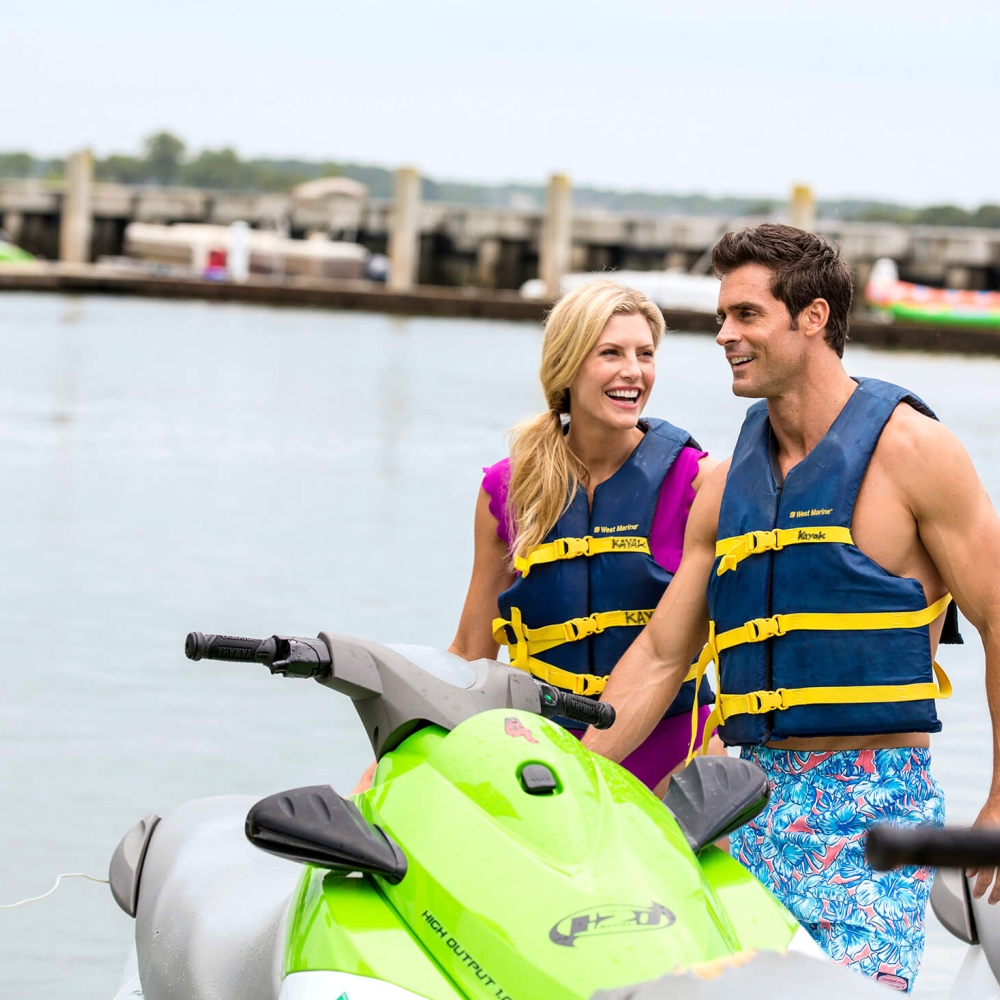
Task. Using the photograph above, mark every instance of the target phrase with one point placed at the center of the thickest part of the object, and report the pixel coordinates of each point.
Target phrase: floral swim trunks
(807, 847)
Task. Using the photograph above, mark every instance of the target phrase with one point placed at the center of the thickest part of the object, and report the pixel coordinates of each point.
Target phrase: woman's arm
(491, 575)
(705, 466)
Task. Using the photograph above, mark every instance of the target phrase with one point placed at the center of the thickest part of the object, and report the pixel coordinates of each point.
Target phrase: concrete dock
(490, 248)
(470, 302)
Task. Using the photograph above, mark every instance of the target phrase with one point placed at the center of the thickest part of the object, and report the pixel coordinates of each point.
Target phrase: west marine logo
(605, 529)
(812, 512)
(615, 918)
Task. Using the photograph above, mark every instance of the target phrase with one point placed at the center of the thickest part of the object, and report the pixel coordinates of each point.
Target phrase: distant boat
(919, 303)
(203, 248)
(668, 289)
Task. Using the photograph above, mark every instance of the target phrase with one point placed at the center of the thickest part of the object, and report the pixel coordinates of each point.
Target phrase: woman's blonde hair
(544, 471)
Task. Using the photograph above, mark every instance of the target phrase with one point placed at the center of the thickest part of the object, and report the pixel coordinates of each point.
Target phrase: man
(827, 547)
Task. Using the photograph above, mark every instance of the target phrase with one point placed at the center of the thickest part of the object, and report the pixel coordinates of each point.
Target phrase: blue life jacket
(786, 567)
(585, 593)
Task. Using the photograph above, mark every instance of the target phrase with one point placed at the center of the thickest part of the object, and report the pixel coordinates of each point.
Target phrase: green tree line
(166, 160)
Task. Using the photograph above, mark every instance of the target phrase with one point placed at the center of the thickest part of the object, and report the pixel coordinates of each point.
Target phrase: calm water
(169, 466)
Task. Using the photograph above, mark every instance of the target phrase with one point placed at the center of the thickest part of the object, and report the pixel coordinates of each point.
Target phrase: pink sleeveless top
(666, 537)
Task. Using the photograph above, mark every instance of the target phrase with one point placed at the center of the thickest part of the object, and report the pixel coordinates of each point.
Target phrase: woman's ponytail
(544, 476)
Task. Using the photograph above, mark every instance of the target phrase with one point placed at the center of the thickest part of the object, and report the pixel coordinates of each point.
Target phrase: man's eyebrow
(737, 305)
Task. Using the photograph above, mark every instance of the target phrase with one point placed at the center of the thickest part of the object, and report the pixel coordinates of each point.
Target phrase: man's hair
(803, 267)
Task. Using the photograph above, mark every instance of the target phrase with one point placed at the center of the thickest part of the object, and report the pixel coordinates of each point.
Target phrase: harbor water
(177, 466)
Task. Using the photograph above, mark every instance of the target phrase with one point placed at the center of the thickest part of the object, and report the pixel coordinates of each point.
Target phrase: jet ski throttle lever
(282, 654)
(599, 714)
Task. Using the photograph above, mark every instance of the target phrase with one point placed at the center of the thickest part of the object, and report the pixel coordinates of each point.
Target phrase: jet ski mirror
(713, 796)
(316, 826)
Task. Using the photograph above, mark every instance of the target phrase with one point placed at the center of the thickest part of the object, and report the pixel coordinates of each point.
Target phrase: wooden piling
(404, 231)
(557, 234)
(13, 223)
(77, 219)
(802, 208)
(487, 262)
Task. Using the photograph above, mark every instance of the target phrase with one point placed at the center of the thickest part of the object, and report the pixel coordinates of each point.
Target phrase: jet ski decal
(514, 727)
(617, 918)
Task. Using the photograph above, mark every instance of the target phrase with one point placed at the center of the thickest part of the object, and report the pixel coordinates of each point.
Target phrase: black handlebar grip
(234, 648)
(891, 847)
(598, 714)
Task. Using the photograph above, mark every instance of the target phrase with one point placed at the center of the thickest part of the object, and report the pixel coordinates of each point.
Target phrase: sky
(898, 101)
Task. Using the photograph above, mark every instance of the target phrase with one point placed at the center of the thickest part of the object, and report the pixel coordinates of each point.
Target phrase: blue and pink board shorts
(807, 847)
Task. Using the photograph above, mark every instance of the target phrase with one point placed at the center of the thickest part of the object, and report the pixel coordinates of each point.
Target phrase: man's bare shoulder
(923, 457)
(914, 434)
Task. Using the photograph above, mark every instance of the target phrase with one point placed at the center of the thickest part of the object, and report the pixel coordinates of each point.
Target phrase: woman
(580, 531)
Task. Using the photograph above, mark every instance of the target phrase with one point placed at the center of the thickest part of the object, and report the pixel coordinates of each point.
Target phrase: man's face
(762, 349)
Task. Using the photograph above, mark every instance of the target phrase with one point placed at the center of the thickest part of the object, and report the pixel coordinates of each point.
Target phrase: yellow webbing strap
(571, 548)
(528, 641)
(567, 680)
(734, 550)
(761, 629)
(760, 702)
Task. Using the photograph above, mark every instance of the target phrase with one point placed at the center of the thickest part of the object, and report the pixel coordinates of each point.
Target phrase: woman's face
(615, 380)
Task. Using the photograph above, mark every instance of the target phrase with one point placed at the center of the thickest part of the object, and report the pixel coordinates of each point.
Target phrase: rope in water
(34, 899)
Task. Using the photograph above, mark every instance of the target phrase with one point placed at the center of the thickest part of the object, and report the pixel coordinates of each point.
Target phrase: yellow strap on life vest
(761, 629)
(576, 683)
(760, 702)
(571, 548)
(734, 550)
(585, 684)
(528, 641)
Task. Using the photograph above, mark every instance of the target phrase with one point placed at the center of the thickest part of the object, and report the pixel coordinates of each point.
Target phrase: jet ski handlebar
(890, 847)
(281, 654)
(599, 714)
(292, 656)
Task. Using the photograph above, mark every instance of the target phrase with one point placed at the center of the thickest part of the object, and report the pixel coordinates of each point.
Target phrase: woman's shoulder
(496, 481)
(496, 477)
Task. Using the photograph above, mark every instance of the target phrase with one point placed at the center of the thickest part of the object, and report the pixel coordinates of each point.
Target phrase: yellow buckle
(760, 629)
(570, 548)
(580, 628)
(763, 541)
(759, 702)
(582, 684)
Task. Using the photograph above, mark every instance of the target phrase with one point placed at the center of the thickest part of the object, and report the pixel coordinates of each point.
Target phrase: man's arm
(961, 532)
(646, 679)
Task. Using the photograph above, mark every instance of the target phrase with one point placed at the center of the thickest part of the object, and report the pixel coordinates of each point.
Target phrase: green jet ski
(493, 858)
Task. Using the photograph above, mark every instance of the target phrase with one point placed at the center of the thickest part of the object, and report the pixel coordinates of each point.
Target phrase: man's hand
(989, 817)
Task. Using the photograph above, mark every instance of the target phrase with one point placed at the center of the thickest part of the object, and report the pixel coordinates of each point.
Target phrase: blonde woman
(580, 531)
